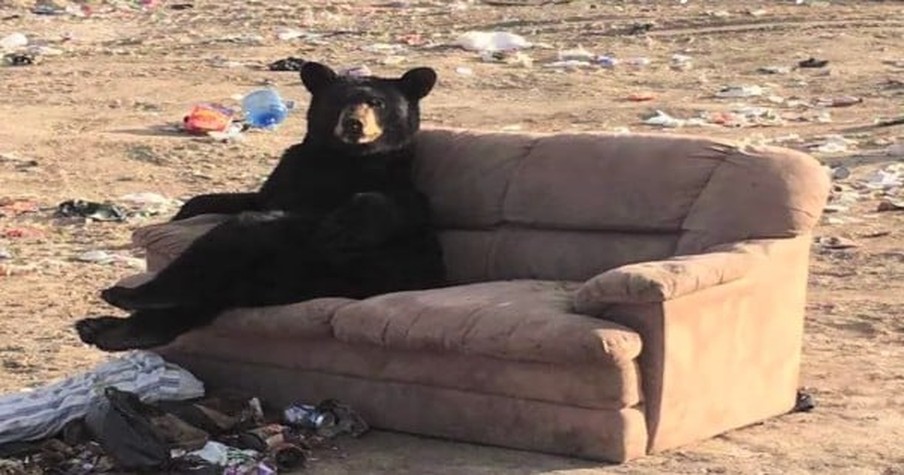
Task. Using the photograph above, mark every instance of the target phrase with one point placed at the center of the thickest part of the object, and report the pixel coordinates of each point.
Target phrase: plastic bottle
(264, 108)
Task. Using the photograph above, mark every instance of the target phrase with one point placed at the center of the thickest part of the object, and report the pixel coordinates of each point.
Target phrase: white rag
(43, 412)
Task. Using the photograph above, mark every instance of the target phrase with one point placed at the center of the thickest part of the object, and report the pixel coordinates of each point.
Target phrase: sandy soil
(90, 123)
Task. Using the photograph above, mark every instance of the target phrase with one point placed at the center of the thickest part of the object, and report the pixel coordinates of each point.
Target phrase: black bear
(340, 216)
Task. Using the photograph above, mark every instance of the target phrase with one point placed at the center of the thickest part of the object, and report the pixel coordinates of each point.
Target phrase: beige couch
(616, 295)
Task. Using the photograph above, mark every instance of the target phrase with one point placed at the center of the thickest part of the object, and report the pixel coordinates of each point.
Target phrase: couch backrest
(568, 206)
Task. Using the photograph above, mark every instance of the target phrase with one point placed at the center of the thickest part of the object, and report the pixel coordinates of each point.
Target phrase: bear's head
(364, 115)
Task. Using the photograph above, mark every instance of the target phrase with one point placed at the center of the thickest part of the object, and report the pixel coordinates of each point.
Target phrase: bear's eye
(376, 103)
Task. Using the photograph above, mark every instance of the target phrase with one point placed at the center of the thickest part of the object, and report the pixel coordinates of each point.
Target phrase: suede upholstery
(610, 295)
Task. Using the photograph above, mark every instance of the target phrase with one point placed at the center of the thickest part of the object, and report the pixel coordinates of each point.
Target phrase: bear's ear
(417, 82)
(316, 76)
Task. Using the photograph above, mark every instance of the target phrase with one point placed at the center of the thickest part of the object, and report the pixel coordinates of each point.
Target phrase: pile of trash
(139, 413)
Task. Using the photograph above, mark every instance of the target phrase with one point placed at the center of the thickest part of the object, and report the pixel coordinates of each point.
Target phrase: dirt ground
(91, 123)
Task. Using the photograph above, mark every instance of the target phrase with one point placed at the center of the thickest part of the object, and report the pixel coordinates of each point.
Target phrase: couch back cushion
(568, 206)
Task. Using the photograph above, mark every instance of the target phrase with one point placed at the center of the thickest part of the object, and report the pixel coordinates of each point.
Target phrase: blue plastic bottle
(264, 108)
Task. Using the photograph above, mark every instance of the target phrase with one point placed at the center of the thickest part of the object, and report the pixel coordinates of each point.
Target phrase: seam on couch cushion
(639, 405)
(490, 262)
(724, 151)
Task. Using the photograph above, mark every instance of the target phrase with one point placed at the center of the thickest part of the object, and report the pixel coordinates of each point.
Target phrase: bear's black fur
(339, 217)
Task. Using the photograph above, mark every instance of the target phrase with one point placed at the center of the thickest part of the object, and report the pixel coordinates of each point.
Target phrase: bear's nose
(353, 126)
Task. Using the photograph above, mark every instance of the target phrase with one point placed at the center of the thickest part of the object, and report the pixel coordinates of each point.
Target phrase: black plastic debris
(641, 28)
(47, 8)
(125, 433)
(181, 6)
(19, 59)
(288, 64)
(813, 63)
(90, 210)
(805, 402)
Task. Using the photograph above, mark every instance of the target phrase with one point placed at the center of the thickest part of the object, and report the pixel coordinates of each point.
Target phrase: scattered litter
(517, 58)
(641, 28)
(890, 205)
(840, 172)
(774, 70)
(207, 117)
(606, 61)
(885, 179)
(833, 208)
(758, 12)
(804, 402)
(662, 119)
(491, 41)
(287, 34)
(834, 144)
(232, 133)
(841, 101)
(19, 59)
(464, 71)
(747, 116)
(638, 62)
(223, 455)
(813, 63)
(356, 71)
(98, 257)
(22, 232)
(5, 254)
(17, 207)
(392, 60)
(287, 64)
(221, 62)
(143, 372)
(264, 108)
(569, 64)
(641, 96)
(385, 48)
(718, 13)
(836, 242)
(329, 419)
(13, 41)
(576, 54)
(739, 91)
(90, 210)
(681, 62)
(411, 39)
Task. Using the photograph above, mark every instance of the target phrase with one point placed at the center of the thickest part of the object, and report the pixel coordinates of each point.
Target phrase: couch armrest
(660, 281)
(721, 347)
(165, 241)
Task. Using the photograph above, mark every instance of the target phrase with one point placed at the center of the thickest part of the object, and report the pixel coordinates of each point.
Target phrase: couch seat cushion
(524, 320)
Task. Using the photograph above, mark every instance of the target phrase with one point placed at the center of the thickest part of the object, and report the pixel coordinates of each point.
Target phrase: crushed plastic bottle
(307, 416)
(264, 108)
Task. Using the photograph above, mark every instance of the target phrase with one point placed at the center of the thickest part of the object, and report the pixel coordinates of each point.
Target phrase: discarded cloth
(42, 412)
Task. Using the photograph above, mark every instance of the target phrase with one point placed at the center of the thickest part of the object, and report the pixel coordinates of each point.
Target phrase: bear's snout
(359, 124)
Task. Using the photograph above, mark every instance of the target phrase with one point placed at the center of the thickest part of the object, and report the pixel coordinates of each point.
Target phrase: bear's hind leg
(206, 272)
(143, 329)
